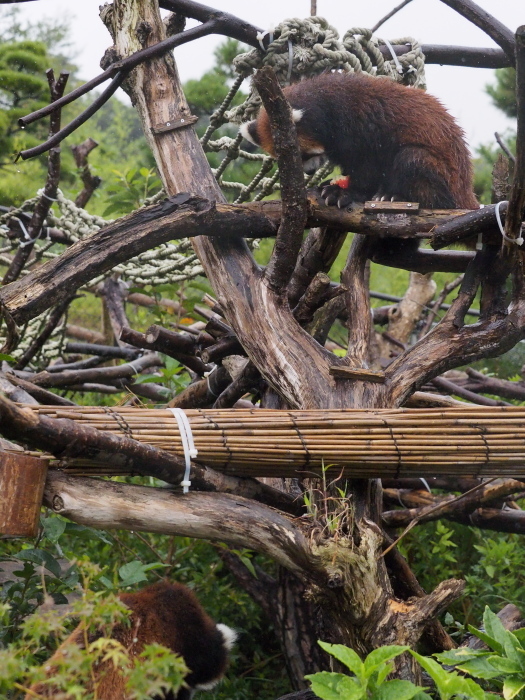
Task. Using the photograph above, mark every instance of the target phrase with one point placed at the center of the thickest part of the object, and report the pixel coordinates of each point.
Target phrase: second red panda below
(165, 613)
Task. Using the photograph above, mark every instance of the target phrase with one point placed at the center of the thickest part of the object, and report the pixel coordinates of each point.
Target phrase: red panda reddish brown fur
(392, 141)
(168, 614)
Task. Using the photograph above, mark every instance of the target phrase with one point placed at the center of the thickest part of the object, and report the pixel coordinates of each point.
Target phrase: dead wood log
(85, 334)
(105, 351)
(97, 374)
(213, 516)
(37, 393)
(114, 292)
(186, 216)
(159, 343)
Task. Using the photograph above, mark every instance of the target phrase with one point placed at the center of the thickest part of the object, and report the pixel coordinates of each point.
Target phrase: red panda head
(259, 133)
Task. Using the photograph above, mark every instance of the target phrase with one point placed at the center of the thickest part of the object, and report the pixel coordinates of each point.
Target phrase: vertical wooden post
(22, 480)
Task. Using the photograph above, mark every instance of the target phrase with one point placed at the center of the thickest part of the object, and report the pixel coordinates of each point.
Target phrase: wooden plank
(388, 207)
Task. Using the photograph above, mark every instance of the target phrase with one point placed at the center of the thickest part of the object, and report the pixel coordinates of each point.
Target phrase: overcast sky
(429, 21)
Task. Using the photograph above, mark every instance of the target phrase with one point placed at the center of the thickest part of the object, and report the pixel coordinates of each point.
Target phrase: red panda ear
(249, 132)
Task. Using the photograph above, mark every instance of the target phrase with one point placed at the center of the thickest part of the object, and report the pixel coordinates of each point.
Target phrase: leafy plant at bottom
(503, 663)
(369, 678)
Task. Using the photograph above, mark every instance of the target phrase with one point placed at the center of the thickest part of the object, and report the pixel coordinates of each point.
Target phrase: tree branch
(516, 207)
(293, 217)
(486, 22)
(217, 517)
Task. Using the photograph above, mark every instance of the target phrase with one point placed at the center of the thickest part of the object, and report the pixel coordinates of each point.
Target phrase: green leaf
(479, 668)
(6, 358)
(41, 557)
(470, 688)
(489, 641)
(346, 656)
(335, 686)
(457, 656)
(512, 686)
(104, 580)
(438, 674)
(504, 665)
(396, 690)
(494, 627)
(381, 655)
(53, 528)
(132, 573)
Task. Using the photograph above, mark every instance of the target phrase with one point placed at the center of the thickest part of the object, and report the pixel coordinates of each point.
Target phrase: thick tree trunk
(346, 575)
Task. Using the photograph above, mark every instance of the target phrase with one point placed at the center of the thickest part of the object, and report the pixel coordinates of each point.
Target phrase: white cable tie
(425, 483)
(27, 238)
(479, 242)
(517, 241)
(188, 445)
(399, 67)
(131, 364)
(51, 199)
(290, 61)
(260, 37)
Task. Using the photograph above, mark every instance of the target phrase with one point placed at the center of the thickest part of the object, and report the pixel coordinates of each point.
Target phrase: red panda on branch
(390, 141)
(165, 613)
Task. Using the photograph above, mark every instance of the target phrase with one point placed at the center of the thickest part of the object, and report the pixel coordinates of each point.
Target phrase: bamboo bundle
(484, 441)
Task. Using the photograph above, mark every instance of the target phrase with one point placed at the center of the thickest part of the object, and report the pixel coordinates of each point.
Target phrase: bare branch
(216, 517)
(293, 219)
(90, 181)
(357, 298)
(389, 15)
(41, 210)
(516, 206)
(504, 147)
(453, 388)
(486, 22)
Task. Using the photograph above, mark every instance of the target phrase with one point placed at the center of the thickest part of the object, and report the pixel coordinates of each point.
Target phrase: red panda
(392, 141)
(168, 614)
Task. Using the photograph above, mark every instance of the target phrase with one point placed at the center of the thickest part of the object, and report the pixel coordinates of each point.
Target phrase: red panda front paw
(334, 195)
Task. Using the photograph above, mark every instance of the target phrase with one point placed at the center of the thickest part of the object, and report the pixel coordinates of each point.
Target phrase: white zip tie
(516, 241)
(399, 67)
(27, 238)
(425, 482)
(290, 61)
(130, 364)
(51, 199)
(260, 36)
(188, 445)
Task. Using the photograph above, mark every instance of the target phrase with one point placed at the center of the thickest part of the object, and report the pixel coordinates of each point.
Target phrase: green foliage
(503, 93)
(154, 670)
(206, 94)
(129, 189)
(503, 664)
(368, 678)
(257, 668)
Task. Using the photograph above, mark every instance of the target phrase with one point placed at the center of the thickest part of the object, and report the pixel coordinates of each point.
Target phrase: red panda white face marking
(258, 132)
